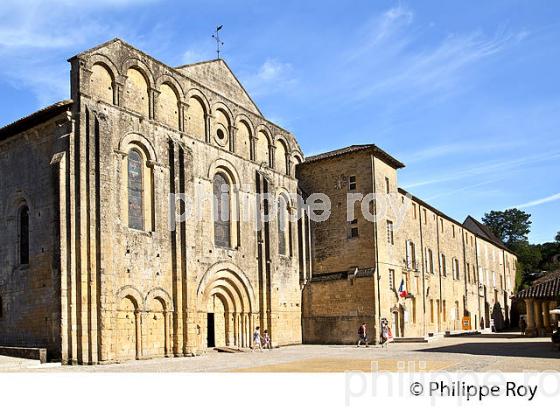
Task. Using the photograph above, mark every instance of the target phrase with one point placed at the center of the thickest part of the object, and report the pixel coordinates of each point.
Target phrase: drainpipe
(377, 308)
(477, 277)
(440, 307)
(465, 302)
(423, 252)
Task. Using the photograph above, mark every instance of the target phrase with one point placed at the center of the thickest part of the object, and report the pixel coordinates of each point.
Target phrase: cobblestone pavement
(506, 352)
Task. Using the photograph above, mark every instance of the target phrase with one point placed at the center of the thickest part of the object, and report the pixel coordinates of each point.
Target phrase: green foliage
(510, 226)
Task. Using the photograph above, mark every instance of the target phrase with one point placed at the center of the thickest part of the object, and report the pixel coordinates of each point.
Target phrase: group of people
(261, 342)
(386, 335)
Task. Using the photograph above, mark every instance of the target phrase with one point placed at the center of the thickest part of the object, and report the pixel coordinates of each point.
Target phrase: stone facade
(450, 270)
(98, 264)
(110, 276)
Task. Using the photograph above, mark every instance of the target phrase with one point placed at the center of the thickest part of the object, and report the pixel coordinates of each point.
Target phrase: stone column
(546, 316)
(166, 317)
(138, 321)
(530, 317)
(183, 107)
(554, 317)
(538, 316)
(207, 128)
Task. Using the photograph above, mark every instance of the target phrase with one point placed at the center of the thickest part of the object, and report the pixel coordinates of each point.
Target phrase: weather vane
(219, 43)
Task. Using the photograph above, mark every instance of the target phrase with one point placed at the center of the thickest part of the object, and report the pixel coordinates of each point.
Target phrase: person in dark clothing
(362, 335)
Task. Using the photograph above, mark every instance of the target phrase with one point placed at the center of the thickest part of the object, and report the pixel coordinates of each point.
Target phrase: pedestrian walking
(266, 340)
(384, 333)
(522, 325)
(362, 335)
(257, 339)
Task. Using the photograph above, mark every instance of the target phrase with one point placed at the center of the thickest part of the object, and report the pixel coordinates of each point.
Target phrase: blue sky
(467, 94)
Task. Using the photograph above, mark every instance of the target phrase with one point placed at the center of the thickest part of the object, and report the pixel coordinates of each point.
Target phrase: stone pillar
(252, 154)
(538, 316)
(207, 128)
(546, 316)
(166, 317)
(553, 316)
(153, 95)
(183, 107)
(138, 322)
(232, 137)
(530, 330)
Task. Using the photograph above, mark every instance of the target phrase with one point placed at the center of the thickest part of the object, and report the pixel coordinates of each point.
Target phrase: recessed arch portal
(226, 301)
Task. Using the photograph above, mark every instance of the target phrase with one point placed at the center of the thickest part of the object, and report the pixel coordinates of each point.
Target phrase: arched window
(222, 206)
(283, 226)
(135, 190)
(24, 235)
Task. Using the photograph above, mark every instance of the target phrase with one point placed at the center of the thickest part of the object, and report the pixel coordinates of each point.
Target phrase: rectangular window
(390, 233)
(352, 185)
(387, 185)
(414, 211)
(443, 265)
(425, 216)
(431, 311)
(391, 279)
(468, 272)
(444, 311)
(353, 229)
(441, 224)
(453, 230)
(431, 260)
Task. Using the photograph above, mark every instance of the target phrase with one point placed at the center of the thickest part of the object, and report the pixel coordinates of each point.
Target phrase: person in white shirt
(257, 338)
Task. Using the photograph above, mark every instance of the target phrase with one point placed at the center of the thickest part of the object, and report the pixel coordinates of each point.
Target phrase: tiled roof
(325, 277)
(547, 288)
(354, 148)
(34, 119)
(484, 232)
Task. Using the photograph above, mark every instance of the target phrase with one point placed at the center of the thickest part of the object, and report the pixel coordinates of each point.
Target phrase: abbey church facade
(98, 263)
(98, 273)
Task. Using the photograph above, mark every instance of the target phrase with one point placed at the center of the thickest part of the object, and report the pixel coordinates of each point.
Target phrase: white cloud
(540, 201)
(37, 36)
(446, 150)
(491, 167)
(271, 77)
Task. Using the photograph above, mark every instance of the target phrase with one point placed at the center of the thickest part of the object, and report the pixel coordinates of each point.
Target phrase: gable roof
(217, 75)
(483, 231)
(36, 118)
(374, 149)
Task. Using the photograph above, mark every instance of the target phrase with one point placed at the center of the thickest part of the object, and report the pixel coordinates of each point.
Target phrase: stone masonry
(451, 271)
(87, 182)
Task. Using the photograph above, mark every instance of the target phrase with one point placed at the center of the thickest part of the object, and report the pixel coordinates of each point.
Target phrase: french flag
(402, 290)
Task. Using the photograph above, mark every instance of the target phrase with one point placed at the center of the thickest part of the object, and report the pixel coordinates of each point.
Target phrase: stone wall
(30, 292)
(148, 291)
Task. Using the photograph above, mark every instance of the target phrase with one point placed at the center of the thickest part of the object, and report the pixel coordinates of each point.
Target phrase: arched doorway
(126, 335)
(225, 300)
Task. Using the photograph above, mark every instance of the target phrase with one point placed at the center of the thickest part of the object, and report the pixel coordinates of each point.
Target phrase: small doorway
(211, 335)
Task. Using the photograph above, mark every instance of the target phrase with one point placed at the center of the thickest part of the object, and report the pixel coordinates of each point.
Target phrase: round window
(221, 137)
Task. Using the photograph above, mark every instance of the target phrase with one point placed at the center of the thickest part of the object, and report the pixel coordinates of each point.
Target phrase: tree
(557, 237)
(510, 226)
(529, 256)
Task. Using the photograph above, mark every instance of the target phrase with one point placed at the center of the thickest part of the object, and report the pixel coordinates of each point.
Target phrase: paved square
(506, 352)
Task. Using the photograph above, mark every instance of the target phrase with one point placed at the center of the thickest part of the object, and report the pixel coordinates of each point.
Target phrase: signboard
(466, 323)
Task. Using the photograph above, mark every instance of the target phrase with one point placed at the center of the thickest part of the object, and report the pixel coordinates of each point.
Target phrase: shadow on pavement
(543, 350)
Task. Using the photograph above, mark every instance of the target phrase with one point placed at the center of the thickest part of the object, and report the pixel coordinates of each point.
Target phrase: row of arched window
(140, 197)
(240, 137)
